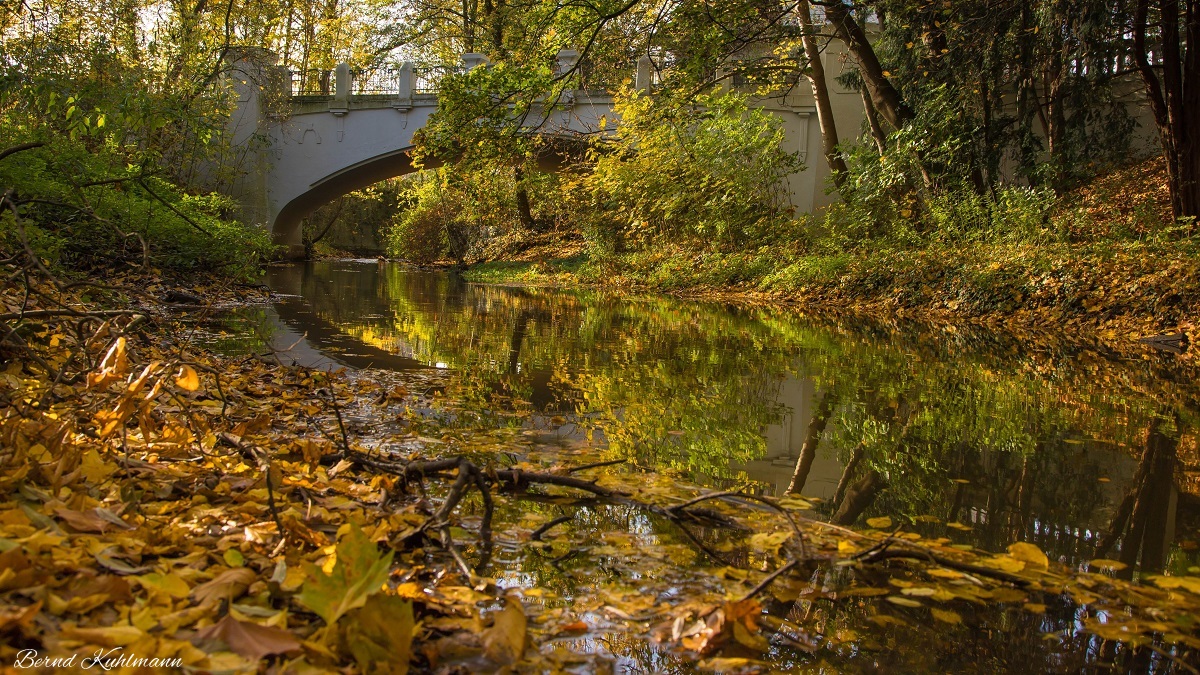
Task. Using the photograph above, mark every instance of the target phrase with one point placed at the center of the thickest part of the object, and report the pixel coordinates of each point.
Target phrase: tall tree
(1174, 38)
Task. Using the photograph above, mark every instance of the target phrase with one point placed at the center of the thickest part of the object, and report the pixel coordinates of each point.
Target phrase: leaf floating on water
(943, 573)
(727, 664)
(959, 526)
(881, 523)
(504, 642)
(1107, 565)
(946, 615)
(1030, 555)
(903, 601)
(1171, 583)
(864, 592)
(796, 503)
(754, 640)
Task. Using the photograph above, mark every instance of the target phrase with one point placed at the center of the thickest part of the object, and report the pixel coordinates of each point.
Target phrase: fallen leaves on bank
(160, 503)
(163, 507)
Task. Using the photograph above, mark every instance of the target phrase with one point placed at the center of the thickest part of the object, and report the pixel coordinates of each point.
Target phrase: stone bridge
(353, 132)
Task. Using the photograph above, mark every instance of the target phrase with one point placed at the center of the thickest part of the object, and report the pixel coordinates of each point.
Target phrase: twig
(174, 210)
(917, 554)
(595, 465)
(337, 412)
(770, 578)
(69, 313)
(537, 534)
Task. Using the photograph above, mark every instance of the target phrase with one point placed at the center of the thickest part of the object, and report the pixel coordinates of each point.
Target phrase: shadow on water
(983, 439)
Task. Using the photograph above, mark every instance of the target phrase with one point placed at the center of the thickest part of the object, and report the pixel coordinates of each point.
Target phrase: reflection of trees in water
(692, 388)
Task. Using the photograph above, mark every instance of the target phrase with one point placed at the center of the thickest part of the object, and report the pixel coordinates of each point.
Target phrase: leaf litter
(172, 503)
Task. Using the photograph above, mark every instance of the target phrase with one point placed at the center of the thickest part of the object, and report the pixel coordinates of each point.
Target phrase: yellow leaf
(946, 616)
(879, 523)
(187, 379)
(504, 642)
(379, 635)
(1190, 584)
(169, 584)
(1005, 563)
(903, 601)
(847, 547)
(753, 640)
(1029, 554)
(1106, 564)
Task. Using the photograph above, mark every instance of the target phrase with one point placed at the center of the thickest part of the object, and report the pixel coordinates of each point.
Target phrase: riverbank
(175, 503)
(1113, 269)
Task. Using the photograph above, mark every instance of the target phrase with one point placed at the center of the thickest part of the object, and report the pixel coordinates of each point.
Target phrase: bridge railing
(405, 81)
(427, 80)
(380, 81)
(311, 82)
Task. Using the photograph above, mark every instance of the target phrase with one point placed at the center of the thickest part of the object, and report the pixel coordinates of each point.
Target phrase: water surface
(983, 439)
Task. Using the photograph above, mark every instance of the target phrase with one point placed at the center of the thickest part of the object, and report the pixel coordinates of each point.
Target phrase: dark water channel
(983, 439)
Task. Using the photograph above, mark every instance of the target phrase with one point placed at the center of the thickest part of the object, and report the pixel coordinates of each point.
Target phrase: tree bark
(1175, 97)
(524, 211)
(808, 451)
(816, 76)
(884, 96)
(859, 498)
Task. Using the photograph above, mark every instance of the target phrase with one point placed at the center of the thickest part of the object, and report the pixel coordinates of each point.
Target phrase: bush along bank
(1102, 258)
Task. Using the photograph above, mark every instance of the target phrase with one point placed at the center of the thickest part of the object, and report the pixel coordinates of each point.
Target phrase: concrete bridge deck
(328, 144)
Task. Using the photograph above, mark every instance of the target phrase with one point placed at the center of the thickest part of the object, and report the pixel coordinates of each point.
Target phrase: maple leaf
(358, 574)
(379, 635)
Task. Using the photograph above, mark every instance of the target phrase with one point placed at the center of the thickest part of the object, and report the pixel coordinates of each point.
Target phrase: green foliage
(418, 233)
(710, 172)
(85, 208)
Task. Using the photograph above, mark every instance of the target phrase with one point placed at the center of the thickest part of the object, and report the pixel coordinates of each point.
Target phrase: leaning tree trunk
(884, 95)
(816, 76)
(808, 451)
(1175, 97)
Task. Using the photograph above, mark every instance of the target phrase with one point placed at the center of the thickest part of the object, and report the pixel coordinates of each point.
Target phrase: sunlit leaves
(187, 379)
(504, 642)
(358, 573)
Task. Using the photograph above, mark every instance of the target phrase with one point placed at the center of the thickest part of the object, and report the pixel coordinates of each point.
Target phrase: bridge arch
(360, 133)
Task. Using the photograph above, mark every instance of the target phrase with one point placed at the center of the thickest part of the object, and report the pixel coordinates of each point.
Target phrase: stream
(981, 438)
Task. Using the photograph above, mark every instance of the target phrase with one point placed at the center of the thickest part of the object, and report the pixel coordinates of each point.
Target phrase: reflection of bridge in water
(349, 131)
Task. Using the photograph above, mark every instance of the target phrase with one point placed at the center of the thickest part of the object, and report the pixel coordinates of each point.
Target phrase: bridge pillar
(244, 173)
(404, 87)
(471, 60)
(564, 61)
(341, 90)
(641, 81)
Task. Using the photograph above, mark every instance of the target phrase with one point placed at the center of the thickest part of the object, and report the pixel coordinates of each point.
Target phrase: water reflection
(981, 440)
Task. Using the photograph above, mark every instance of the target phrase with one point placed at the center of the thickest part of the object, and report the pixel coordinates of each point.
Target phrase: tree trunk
(816, 76)
(886, 98)
(808, 451)
(1175, 98)
(524, 211)
(859, 498)
(873, 121)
